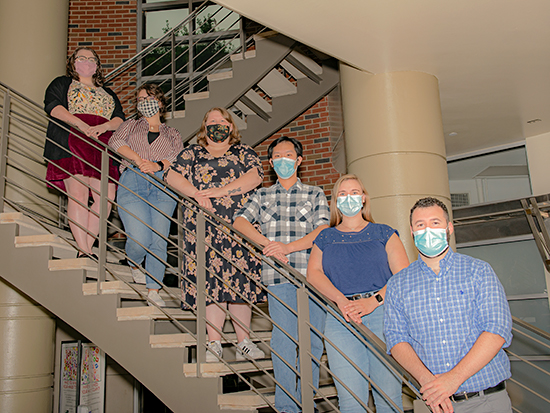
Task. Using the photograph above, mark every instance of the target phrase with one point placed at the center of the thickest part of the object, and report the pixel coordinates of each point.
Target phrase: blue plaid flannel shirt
(441, 316)
(286, 216)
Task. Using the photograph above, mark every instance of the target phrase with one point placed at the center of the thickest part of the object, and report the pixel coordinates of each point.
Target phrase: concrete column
(27, 346)
(538, 148)
(33, 51)
(394, 142)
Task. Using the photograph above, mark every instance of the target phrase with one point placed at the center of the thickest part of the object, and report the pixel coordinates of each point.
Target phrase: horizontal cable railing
(17, 127)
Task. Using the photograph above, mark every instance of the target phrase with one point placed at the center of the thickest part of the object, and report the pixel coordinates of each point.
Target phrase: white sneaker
(214, 347)
(154, 296)
(248, 350)
(138, 276)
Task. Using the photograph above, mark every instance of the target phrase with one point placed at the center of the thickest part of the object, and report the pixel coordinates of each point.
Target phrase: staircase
(139, 337)
(264, 91)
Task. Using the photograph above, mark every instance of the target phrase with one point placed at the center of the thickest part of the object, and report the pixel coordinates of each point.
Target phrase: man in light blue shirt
(447, 321)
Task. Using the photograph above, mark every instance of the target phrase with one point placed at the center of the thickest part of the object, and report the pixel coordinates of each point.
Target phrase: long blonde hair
(235, 136)
(335, 214)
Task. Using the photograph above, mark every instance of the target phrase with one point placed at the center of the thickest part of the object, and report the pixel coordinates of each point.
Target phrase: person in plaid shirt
(291, 215)
(447, 321)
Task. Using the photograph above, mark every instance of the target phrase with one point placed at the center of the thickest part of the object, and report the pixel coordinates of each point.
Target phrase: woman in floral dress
(220, 173)
(80, 102)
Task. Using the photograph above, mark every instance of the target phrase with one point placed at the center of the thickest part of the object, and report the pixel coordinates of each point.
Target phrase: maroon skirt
(81, 147)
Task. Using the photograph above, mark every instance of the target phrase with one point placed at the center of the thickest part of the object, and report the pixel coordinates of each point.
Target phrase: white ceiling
(492, 57)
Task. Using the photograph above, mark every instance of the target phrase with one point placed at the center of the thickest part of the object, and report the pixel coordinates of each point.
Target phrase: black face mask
(218, 132)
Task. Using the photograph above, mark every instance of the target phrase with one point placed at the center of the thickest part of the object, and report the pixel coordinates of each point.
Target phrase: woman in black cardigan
(80, 103)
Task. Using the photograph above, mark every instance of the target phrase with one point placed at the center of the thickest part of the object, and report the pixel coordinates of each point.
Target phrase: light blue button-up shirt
(442, 315)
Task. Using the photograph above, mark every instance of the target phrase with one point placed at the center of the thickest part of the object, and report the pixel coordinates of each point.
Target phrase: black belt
(460, 397)
(361, 295)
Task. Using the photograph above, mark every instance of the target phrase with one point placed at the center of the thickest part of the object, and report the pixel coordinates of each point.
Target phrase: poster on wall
(82, 378)
(92, 378)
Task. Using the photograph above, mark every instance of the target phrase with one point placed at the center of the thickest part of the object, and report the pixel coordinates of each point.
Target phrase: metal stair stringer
(287, 108)
(60, 292)
(224, 93)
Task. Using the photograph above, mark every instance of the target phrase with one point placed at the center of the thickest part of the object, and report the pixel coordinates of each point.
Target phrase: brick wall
(107, 26)
(312, 129)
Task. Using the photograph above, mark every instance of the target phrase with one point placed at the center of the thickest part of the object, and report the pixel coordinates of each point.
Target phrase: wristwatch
(379, 298)
(159, 163)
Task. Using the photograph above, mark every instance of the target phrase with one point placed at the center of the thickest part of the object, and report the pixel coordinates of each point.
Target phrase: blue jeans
(367, 361)
(137, 232)
(287, 349)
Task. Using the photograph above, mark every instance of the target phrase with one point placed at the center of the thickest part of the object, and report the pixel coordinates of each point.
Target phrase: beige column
(27, 341)
(33, 51)
(394, 142)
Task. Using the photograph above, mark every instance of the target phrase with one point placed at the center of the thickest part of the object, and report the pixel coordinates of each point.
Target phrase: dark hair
(297, 146)
(157, 93)
(429, 202)
(235, 136)
(97, 78)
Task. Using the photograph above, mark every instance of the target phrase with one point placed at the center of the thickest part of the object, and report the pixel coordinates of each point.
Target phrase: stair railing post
(4, 146)
(103, 215)
(201, 291)
(191, 55)
(304, 342)
(173, 56)
(180, 242)
(243, 37)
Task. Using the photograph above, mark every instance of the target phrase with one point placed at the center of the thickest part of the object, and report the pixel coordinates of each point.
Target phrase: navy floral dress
(205, 171)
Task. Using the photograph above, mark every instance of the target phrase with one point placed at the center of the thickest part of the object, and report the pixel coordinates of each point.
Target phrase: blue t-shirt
(356, 262)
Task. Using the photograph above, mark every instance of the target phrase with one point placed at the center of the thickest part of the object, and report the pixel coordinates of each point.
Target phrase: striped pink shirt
(133, 133)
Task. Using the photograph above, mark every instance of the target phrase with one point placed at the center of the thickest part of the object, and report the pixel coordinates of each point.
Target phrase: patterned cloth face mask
(284, 167)
(148, 107)
(218, 132)
(85, 68)
(350, 205)
(431, 242)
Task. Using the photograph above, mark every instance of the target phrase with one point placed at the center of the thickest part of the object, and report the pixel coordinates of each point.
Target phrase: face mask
(86, 68)
(431, 242)
(218, 132)
(350, 205)
(148, 108)
(284, 167)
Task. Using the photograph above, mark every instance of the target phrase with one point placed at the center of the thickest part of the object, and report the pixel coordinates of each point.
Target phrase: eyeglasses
(84, 58)
(145, 98)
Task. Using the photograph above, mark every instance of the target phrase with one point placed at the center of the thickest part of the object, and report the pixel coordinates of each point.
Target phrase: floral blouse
(90, 100)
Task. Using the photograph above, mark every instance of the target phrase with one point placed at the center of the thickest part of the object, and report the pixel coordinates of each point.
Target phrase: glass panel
(520, 270)
(492, 177)
(157, 23)
(216, 18)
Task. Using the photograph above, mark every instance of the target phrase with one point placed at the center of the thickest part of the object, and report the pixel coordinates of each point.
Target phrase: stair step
(226, 74)
(186, 340)
(22, 220)
(241, 124)
(72, 264)
(250, 400)
(120, 287)
(177, 114)
(307, 61)
(247, 55)
(151, 313)
(196, 96)
(41, 240)
(275, 84)
(259, 101)
(220, 369)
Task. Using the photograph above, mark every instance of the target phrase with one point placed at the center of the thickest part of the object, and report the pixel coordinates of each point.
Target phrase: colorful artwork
(70, 364)
(91, 372)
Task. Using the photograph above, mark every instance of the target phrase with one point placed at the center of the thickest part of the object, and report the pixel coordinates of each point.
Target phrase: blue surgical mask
(431, 242)
(350, 205)
(284, 167)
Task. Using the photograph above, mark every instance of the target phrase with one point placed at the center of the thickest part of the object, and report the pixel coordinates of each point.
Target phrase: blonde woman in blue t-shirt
(350, 263)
